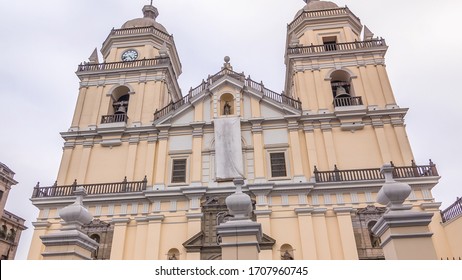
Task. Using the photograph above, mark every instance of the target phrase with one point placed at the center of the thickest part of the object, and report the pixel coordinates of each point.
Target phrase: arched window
(227, 106)
(375, 240)
(173, 254)
(287, 252)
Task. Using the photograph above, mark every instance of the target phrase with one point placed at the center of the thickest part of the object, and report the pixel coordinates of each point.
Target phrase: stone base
(405, 235)
(68, 245)
(240, 240)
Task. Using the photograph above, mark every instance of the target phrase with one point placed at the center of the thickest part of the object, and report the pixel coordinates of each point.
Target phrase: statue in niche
(227, 109)
(286, 256)
(375, 240)
(173, 257)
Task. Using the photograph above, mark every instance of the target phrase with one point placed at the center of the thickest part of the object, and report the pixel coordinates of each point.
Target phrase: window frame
(174, 158)
(275, 150)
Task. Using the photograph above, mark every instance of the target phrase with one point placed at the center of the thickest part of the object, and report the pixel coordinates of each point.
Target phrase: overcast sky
(43, 41)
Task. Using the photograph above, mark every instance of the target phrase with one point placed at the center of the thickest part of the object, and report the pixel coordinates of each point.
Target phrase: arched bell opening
(121, 98)
(342, 89)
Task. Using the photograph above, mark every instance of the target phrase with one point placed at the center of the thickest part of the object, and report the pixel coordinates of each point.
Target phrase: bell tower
(118, 97)
(336, 67)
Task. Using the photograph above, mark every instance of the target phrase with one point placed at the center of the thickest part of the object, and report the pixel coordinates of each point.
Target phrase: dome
(150, 14)
(314, 5)
(143, 22)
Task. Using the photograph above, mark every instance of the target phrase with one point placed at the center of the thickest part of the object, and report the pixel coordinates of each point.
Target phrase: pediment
(209, 94)
(194, 244)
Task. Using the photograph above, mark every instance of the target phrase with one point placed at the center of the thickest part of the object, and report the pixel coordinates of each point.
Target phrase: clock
(129, 55)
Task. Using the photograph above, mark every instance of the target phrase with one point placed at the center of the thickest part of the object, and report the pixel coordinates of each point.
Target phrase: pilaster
(84, 160)
(37, 247)
(321, 234)
(150, 158)
(307, 233)
(131, 158)
(377, 123)
(310, 143)
(326, 128)
(154, 234)
(140, 238)
(196, 163)
(119, 237)
(162, 150)
(293, 127)
(347, 237)
(259, 160)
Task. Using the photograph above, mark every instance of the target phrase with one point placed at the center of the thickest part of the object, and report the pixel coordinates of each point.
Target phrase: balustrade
(337, 175)
(92, 189)
(338, 47)
(453, 211)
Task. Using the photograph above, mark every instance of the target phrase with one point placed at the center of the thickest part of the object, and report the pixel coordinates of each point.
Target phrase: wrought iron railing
(337, 175)
(92, 189)
(172, 106)
(89, 67)
(357, 45)
(114, 118)
(453, 211)
(322, 13)
(348, 101)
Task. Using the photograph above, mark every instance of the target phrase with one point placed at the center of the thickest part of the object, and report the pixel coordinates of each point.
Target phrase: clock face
(129, 55)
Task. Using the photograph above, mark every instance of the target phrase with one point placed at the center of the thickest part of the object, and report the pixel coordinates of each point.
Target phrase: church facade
(157, 165)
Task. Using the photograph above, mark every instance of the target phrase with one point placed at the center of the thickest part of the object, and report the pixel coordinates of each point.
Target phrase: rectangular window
(278, 165)
(179, 171)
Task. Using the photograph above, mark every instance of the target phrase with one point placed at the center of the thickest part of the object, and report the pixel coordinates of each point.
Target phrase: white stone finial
(392, 194)
(239, 204)
(75, 215)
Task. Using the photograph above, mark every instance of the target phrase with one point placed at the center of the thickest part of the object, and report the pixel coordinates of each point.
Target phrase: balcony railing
(338, 47)
(123, 64)
(348, 101)
(337, 175)
(172, 106)
(114, 118)
(92, 189)
(281, 98)
(322, 13)
(453, 211)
